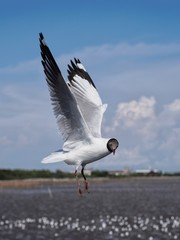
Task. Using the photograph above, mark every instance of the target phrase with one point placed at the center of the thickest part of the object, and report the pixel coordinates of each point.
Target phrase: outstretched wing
(70, 121)
(86, 96)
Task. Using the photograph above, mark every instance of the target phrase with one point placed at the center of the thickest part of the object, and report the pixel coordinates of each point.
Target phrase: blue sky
(132, 51)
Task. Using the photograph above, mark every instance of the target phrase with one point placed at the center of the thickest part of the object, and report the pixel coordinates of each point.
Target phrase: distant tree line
(7, 174)
(98, 173)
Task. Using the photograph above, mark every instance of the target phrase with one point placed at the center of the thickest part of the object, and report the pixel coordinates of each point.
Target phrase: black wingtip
(42, 40)
(41, 36)
(77, 60)
(74, 69)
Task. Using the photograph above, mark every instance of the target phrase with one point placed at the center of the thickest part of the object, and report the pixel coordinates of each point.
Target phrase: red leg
(86, 182)
(86, 186)
(78, 183)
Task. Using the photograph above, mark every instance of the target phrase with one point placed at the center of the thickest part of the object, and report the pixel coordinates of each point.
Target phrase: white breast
(87, 153)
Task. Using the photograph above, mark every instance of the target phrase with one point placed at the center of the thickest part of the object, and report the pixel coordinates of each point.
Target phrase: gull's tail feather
(54, 157)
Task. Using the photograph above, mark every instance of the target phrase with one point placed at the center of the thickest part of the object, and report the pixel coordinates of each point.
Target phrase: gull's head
(112, 145)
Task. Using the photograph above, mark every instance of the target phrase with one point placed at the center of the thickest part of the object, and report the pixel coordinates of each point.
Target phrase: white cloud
(174, 106)
(128, 50)
(129, 113)
(155, 136)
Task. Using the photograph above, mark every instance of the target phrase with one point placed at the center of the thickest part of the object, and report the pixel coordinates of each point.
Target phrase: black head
(112, 145)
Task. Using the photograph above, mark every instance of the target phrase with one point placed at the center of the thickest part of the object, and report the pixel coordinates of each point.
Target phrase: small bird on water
(79, 110)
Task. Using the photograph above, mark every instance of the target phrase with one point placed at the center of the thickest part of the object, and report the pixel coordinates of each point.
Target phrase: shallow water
(124, 209)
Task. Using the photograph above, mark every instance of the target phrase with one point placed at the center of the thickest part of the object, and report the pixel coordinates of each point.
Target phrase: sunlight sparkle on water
(114, 226)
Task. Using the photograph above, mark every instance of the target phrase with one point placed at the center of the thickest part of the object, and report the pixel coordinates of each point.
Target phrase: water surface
(122, 209)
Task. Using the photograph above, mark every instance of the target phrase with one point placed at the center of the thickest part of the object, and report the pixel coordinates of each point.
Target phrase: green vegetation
(7, 174)
(100, 174)
(25, 174)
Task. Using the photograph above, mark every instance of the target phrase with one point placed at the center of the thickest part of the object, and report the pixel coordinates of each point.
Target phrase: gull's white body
(81, 154)
(79, 111)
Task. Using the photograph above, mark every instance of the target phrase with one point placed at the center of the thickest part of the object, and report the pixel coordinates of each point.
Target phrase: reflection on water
(126, 209)
(110, 226)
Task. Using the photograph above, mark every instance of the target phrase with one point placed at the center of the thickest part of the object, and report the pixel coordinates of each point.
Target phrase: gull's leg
(86, 182)
(78, 183)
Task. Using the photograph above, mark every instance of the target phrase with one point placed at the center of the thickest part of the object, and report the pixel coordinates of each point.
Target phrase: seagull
(79, 111)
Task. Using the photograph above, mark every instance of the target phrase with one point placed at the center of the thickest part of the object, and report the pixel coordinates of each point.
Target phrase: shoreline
(43, 181)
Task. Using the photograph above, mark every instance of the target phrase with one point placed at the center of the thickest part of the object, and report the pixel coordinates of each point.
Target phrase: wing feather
(69, 118)
(87, 96)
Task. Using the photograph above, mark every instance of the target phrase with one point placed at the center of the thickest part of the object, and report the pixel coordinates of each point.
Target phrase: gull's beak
(114, 151)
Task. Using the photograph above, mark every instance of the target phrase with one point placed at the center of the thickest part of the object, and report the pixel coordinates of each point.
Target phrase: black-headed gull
(79, 111)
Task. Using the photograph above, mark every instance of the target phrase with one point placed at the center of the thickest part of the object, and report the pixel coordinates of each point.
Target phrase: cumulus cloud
(129, 113)
(174, 106)
(154, 135)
